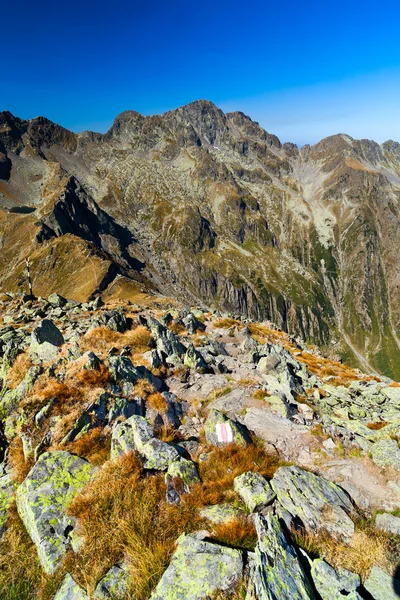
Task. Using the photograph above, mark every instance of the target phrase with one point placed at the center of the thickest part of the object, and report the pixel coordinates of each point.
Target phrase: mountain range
(211, 209)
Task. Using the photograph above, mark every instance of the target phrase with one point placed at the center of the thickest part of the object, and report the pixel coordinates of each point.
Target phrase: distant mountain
(208, 207)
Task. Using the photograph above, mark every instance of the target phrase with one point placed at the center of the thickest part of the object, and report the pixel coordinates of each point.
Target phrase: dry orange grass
(101, 339)
(19, 464)
(18, 371)
(377, 426)
(157, 402)
(94, 446)
(143, 387)
(226, 323)
(238, 533)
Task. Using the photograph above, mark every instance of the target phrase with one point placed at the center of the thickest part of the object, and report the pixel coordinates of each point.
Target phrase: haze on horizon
(302, 72)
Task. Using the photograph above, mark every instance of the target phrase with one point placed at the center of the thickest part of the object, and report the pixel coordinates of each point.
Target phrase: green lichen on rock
(42, 499)
(11, 399)
(254, 490)
(313, 502)
(334, 583)
(222, 513)
(386, 453)
(114, 585)
(70, 590)
(382, 586)
(6, 499)
(198, 570)
(185, 470)
(276, 572)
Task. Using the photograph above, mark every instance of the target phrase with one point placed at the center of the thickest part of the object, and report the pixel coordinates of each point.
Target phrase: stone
(6, 499)
(116, 321)
(386, 453)
(92, 362)
(136, 434)
(220, 430)
(46, 340)
(198, 569)
(167, 342)
(382, 586)
(12, 398)
(254, 490)
(57, 301)
(184, 470)
(333, 583)
(276, 573)
(313, 503)
(222, 513)
(122, 408)
(70, 590)
(194, 360)
(42, 499)
(114, 585)
(123, 371)
(388, 522)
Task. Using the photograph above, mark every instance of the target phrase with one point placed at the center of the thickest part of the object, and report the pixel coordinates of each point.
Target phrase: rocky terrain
(206, 206)
(152, 450)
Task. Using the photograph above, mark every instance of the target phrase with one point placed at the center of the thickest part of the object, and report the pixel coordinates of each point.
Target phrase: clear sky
(303, 69)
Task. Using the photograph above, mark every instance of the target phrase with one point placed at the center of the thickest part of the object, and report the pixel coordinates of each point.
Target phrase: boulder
(46, 340)
(386, 453)
(388, 522)
(57, 301)
(254, 490)
(313, 503)
(382, 586)
(277, 573)
(181, 475)
(136, 434)
(167, 342)
(334, 583)
(220, 430)
(123, 371)
(116, 321)
(6, 499)
(42, 499)
(12, 398)
(199, 569)
(194, 360)
(114, 585)
(70, 590)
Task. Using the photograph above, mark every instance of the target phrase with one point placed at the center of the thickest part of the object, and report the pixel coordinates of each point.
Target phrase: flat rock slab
(386, 453)
(254, 490)
(333, 583)
(46, 340)
(42, 499)
(70, 590)
(313, 503)
(382, 586)
(388, 522)
(198, 569)
(277, 572)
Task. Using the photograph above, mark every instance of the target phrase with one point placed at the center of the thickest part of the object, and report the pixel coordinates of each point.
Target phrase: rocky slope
(208, 206)
(157, 451)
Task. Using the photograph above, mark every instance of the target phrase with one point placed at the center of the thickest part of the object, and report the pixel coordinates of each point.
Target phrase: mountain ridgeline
(210, 208)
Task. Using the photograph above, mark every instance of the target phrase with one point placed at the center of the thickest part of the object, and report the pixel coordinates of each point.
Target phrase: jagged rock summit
(209, 207)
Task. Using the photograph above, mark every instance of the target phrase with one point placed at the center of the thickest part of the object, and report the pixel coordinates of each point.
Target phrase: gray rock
(122, 408)
(12, 398)
(277, 573)
(46, 340)
(382, 586)
(198, 570)
(386, 453)
(70, 590)
(220, 430)
(388, 522)
(42, 499)
(57, 301)
(167, 342)
(114, 585)
(254, 490)
(193, 324)
(313, 503)
(123, 371)
(333, 583)
(116, 321)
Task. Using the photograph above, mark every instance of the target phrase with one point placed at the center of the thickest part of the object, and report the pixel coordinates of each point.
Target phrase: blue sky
(304, 70)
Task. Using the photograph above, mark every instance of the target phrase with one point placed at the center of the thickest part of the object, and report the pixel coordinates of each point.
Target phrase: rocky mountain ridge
(167, 452)
(210, 207)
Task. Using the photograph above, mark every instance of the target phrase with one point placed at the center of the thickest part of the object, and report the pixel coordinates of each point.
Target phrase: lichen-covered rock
(12, 398)
(114, 584)
(131, 434)
(312, 502)
(194, 360)
(198, 569)
(167, 342)
(6, 499)
(333, 583)
(220, 430)
(46, 340)
(122, 371)
(70, 590)
(277, 573)
(222, 513)
(382, 586)
(137, 434)
(116, 321)
(57, 301)
(254, 490)
(185, 470)
(386, 453)
(388, 522)
(193, 324)
(42, 499)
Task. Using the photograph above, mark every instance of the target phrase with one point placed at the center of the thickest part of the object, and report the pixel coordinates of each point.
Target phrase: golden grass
(157, 402)
(143, 387)
(260, 394)
(18, 371)
(226, 323)
(16, 459)
(101, 339)
(238, 533)
(377, 426)
(94, 445)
